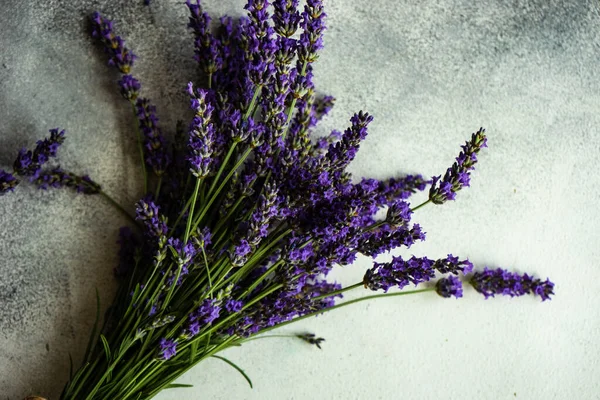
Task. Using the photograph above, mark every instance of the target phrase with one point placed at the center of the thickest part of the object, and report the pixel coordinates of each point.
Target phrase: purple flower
(129, 87)
(168, 349)
(457, 176)
(449, 286)
(398, 213)
(148, 212)
(286, 17)
(7, 182)
(233, 305)
(118, 55)
(453, 265)
(240, 252)
(498, 281)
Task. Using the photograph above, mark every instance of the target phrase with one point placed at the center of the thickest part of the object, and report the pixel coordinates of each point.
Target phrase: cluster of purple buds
(449, 286)
(29, 163)
(148, 212)
(119, 55)
(167, 349)
(398, 213)
(490, 282)
(7, 182)
(208, 311)
(130, 87)
(458, 176)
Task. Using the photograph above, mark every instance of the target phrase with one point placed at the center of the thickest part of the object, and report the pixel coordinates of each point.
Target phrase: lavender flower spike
(57, 178)
(499, 281)
(457, 176)
(7, 182)
(118, 55)
(155, 148)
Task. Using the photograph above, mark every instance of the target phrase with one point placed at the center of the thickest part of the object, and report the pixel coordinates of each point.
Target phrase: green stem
(222, 168)
(420, 205)
(344, 304)
(216, 194)
(210, 285)
(118, 206)
(191, 214)
(157, 192)
(342, 290)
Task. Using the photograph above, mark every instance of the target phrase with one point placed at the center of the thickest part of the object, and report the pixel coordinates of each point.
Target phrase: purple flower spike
(155, 148)
(448, 287)
(341, 153)
(498, 281)
(313, 23)
(58, 178)
(7, 182)
(399, 273)
(118, 55)
(201, 141)
(168, 349)
(457, 176)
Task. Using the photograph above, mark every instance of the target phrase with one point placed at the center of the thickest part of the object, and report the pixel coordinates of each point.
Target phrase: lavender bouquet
(245, 210)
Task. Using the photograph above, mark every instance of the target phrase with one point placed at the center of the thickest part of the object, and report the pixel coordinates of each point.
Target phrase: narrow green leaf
(106, 348)
(178, 385)
(76, 378)
(193, 351)
(241, 371)
(107, 352)
(88, 351)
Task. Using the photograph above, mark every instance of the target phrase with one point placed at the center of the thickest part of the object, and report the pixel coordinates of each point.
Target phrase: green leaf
(241, 371)
(90, 345)
(76, 378)
(193, 351)
(106, 348)
(107, 352)
(178, 385)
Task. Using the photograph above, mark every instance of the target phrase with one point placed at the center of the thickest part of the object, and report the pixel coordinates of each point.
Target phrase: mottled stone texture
(430, 74)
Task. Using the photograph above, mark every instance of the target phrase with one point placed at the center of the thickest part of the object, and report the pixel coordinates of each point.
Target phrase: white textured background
(431, 74)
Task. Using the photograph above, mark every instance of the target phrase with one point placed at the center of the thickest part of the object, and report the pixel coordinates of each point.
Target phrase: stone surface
(431, 74)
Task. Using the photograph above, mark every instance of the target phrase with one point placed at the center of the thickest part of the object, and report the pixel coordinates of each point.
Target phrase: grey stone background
(431, 72)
